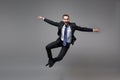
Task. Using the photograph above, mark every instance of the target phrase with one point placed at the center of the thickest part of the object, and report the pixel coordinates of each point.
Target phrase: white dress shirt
(69, 34)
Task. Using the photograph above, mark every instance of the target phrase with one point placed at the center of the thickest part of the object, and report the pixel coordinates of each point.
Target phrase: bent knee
(47, 47)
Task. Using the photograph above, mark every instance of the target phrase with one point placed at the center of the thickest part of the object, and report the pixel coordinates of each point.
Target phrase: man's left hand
(95, 30)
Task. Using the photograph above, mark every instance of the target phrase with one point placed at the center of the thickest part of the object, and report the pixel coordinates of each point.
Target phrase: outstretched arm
(87, 29)
(48, 21)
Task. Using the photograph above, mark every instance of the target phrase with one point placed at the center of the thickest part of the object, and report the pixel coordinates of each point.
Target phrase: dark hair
(65, 15)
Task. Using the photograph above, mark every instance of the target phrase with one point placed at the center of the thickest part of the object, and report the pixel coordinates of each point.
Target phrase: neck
(66, 23)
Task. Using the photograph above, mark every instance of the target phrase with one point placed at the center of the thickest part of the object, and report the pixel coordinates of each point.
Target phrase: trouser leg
(62, 53)
(50, 46)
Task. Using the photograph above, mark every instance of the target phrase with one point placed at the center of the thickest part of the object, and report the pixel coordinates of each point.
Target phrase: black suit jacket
(73, 27)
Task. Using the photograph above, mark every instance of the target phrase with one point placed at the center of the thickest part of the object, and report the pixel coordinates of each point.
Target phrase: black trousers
(56, 44)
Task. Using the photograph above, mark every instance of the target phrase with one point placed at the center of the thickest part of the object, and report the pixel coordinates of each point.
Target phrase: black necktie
(65, 36)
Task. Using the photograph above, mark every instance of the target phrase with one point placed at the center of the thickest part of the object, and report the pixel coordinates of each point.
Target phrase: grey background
(94, 56)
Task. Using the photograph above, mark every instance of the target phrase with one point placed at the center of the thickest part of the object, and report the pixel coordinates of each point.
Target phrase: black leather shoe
(48, 62)
(52, 62)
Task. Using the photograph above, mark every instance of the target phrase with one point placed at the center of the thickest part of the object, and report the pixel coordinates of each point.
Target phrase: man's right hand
(40, 17)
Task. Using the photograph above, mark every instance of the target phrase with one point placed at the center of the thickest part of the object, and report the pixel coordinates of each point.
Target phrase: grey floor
(30, 68)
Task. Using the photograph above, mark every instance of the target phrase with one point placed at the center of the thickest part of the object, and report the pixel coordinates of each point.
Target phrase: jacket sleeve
(85, 29)
(51, 22)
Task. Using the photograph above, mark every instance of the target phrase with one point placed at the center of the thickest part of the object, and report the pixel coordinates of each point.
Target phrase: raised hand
(95, 30)
(40, 17)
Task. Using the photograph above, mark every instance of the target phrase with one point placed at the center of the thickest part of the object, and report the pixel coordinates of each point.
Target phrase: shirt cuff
(43, 18)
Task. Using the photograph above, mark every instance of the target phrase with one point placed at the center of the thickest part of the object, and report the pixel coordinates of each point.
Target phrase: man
(66, 37)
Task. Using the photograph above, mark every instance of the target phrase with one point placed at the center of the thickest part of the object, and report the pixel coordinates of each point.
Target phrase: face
(65, 19)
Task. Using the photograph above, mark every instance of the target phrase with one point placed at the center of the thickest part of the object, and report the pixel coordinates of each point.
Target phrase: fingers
(95, 30)
(39, 17)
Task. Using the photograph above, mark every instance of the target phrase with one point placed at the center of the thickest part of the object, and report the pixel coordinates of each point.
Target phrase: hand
(40, 17)
(95, 30)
